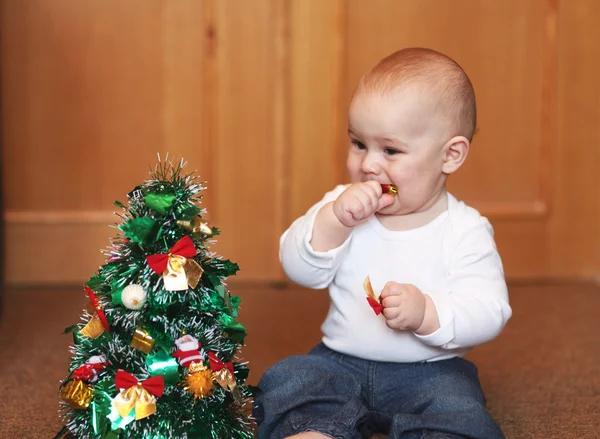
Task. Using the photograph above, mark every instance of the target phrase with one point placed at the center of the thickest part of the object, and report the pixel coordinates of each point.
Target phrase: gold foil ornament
(142, 341)
(200, 380)
(227, 381)
(181, 272)
(175, 280)
(176, 262)
(195, 225)
(93, 328)
(77, 394)
(138, 397)
(193, 272)
(97, 323)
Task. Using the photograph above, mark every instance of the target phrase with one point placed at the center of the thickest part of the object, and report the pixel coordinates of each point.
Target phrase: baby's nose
(371, 164)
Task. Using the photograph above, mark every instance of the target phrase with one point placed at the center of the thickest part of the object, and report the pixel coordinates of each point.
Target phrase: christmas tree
(155, 355)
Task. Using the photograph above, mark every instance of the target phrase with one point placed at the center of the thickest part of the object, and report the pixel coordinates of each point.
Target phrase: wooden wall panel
(574, 226)
(50, 252)
(254, 96)
(186, 118)
(247, 165)
(316, 122)
(92, 91)
(82, 104)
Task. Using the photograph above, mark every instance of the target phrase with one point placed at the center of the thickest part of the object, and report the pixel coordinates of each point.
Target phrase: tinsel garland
(159, 213)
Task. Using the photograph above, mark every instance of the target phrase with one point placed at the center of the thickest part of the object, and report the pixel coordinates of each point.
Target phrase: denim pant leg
(309, 393)
(439, 399)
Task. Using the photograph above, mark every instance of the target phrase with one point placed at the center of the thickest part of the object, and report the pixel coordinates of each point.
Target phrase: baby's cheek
(404, 174)
(408, 173)
(413, 183)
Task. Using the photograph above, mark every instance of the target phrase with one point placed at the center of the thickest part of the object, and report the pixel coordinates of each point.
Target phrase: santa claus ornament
(200, 379)
(189, 349)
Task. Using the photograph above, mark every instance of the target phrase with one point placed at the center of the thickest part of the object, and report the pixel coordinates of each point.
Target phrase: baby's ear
(456, 151)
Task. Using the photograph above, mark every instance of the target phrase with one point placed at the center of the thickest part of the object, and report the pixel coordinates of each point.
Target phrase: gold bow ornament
(138, 395)
(223, 373)
(177, 266)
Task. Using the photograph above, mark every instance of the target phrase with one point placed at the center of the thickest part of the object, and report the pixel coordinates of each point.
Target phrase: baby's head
(411, 121)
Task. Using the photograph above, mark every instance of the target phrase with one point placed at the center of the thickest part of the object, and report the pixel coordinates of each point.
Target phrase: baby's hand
(403, 306)
(359, 201)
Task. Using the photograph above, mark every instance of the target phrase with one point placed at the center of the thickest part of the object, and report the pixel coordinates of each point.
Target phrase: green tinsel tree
(155, 354)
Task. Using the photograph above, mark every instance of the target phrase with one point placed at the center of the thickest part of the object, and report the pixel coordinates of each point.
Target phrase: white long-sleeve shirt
(453, 259)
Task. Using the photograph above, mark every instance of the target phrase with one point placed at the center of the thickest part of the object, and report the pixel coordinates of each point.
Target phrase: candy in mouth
(389, 189)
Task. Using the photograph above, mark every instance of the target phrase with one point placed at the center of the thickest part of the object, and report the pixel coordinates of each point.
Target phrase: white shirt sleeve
(301, 263)
(475, 309)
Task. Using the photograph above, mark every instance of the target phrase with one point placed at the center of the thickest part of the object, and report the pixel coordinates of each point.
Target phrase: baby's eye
(391, 151)
(359, 145)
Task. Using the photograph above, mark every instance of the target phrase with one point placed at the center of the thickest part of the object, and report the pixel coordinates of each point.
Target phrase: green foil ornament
(160, 202)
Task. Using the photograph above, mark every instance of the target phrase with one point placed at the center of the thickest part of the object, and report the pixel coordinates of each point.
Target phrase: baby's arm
(336, 220)
(313, 247)
(476, 308)
(301, 263)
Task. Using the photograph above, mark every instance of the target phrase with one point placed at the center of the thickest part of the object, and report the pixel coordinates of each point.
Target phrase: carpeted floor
(541, 376)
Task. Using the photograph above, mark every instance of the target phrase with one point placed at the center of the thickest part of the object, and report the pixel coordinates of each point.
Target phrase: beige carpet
(541, 376)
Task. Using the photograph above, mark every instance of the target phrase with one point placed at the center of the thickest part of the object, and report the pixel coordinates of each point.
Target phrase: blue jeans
(346, 397)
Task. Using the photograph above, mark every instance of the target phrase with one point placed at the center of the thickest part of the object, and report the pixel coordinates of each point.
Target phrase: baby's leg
(309, 435)
(441, 399)
(311, 396)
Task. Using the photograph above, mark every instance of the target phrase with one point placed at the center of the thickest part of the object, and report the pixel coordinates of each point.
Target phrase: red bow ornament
(177, 266)
(98, 323)
(373, 300)
(223, 373)
(140, 395)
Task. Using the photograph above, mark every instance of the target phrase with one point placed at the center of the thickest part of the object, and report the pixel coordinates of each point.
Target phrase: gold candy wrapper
(390, 189)
(77, 394)
(142, 341)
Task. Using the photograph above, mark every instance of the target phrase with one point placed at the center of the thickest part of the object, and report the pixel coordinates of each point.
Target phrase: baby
(432, 259)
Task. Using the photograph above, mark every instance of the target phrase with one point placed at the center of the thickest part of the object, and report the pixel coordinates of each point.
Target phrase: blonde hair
(439, 74)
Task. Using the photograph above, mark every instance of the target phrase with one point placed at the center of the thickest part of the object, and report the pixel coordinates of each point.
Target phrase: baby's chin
(392, 209)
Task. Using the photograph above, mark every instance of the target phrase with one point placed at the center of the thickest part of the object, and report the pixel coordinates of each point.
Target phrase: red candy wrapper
(390, 189)
(374, 301)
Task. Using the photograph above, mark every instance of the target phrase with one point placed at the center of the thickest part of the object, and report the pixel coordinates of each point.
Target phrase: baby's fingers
(391, 313)
(384, 201)
(374, 188)
(366, 196)
(391, 301)
(391, 289)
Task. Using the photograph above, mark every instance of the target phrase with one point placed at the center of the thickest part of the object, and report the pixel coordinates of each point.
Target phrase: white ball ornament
(133, 296)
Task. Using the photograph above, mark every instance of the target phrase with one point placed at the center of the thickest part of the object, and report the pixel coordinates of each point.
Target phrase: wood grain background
(253, 94)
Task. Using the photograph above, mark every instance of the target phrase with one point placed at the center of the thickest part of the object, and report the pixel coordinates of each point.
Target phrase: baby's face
(397, 139)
